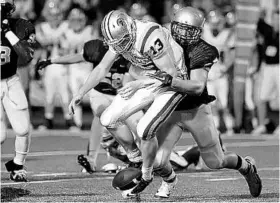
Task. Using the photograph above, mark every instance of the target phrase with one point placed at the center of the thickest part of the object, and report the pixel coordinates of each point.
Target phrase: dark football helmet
(7, 8)
(186, 25)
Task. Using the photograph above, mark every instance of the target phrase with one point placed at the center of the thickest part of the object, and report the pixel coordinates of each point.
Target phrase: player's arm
(93, 52)
(21, 46)
(99, 72)
(160, 51)
(198, 77)
(195, 86)
(68, 59)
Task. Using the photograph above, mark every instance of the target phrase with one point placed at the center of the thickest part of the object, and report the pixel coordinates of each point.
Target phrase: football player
(216, 34)
(149, 47)
(72, 42)
(101, 97)
(194, 113)
(49, 35)
(17, 36)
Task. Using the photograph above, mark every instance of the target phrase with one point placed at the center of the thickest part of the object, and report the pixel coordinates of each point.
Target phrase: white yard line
(86, 133)
(55, 181)
(178, 148)
(230, 179)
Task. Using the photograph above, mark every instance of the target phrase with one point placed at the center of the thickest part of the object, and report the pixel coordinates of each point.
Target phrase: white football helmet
(186, 25)
(119, 31)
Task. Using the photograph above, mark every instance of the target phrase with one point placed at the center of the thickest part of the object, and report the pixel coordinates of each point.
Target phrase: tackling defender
(17, 36)
(194, 113)
(149, 47)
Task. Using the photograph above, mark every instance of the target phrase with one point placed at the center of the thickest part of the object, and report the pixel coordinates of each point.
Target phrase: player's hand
(74, 102)
(5, 26)
(43, 64)
(162, 76)
(129, 89)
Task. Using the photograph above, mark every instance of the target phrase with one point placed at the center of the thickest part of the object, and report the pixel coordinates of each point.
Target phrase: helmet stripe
(109, 32)
(106, 26)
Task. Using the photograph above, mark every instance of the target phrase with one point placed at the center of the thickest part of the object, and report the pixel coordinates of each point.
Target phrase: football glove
(43, 64)
(5, 26)
(162, 76)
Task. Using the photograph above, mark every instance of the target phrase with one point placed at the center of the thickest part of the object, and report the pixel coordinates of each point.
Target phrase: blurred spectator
(269, 88)
(49, 35)
(140, 12)
(25, 9)
(73, 41)
(218, 35)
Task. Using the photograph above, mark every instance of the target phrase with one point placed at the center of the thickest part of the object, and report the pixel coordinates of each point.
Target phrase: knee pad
(22, 130)
(213, 156)
(107, 121)
(3, 131)
(3, 135)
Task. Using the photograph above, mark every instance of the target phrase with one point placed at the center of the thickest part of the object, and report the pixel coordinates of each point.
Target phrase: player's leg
(115, 115)
(202, 127)
(223, 99)
(62, 88)
(168, 135)
(16, 107)
(50, 90)
(162, 107)
(99, 102)
(3, 121)
(75, 83)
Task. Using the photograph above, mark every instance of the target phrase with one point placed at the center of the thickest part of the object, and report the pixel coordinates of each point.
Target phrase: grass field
(55, 176)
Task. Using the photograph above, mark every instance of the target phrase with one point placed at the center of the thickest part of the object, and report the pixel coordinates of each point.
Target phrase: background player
(217, 35)
(17, 36)
(49, 35)
(73, 41)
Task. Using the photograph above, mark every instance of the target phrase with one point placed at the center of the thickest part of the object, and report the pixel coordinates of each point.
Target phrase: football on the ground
(127, 178)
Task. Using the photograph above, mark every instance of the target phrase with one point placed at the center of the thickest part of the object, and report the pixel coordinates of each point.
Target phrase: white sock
(134, 156)
(147, 173)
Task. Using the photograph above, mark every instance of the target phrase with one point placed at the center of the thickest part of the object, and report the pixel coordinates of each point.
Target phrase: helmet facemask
(185, 34)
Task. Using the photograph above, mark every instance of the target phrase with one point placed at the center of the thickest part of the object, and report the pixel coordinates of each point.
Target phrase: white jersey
(73, 43)
(50, 37)
(154, 49)
(220, 42)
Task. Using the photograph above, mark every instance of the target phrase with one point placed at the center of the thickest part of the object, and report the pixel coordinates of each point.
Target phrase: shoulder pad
(94, 51)
(154, 41)
(24, 28)
(203, 55)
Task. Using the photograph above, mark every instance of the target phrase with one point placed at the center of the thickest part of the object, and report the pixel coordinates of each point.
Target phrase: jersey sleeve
(94, 51)
(156, 45)
(204, 56)
(25, 30)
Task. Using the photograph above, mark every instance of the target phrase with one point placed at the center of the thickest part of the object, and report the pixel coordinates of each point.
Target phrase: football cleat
(17, 172)
(83, 161)
(252, 177)
(192, 156)
(166, 188)
(110, 168)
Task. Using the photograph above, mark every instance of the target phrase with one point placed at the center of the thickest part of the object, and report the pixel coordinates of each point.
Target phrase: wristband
(13, 39)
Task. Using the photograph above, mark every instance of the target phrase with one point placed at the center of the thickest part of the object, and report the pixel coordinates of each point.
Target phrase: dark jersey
(93, 52)
(9, 59)
(200, 55)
